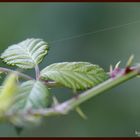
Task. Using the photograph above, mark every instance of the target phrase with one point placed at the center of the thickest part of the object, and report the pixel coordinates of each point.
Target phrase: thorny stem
(18, 73)
(65, 107)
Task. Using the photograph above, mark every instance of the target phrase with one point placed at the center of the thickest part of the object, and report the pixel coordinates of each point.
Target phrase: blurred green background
(115, 113)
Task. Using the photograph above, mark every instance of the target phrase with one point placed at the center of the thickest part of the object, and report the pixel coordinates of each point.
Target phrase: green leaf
(25, 54)
(1, 87)
(75, 75)
(32, 95)
(8, 92)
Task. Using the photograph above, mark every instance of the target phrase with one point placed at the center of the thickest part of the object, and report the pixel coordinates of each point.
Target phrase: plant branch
(18, 73)
(69, 105)
(37, 71)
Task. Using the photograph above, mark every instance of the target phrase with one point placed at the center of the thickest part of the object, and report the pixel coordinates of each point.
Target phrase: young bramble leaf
(75, 75)
(7, 93)
(1, 88)
(25, 54)
(32, 95)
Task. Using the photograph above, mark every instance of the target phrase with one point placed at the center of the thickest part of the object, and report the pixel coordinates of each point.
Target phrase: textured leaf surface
(75, 75)
(26, 54)
(32, 94)
(8, 92)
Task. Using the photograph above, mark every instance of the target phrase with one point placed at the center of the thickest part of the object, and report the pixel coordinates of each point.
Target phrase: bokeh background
(116, 113)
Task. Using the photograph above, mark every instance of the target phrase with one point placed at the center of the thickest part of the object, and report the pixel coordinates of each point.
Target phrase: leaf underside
(32, 95)
(75, 75)
(7, 92)
(25, 54)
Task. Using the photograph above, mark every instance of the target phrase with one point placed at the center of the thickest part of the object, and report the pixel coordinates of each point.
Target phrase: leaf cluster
(18, 95)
